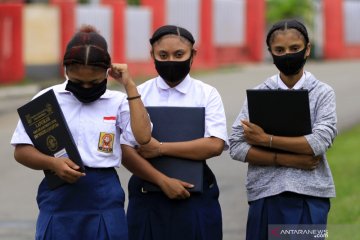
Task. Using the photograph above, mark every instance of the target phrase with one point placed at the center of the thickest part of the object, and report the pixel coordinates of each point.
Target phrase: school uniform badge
(106, 142)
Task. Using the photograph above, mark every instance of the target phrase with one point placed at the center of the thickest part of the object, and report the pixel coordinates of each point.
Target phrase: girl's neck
(291, 80)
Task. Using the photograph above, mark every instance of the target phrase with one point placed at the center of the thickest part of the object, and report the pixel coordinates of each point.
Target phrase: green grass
(344, 160)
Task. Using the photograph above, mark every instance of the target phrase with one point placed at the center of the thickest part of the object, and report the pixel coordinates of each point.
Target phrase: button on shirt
(189, 93)
(96, 127)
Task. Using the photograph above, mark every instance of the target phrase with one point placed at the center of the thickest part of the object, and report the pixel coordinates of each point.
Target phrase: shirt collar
(299, 84)
(182, 87)
(61, 87)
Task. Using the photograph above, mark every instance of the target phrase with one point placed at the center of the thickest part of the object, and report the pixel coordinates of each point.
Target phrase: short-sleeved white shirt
(96, 127)
(189, 93)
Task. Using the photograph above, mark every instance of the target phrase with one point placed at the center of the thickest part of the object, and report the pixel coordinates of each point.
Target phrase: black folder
(46, 126)
(280, 112)
(176, 124)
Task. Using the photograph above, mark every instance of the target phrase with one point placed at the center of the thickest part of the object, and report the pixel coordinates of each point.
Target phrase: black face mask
(87, 95)
(291, 63)
(173, 71)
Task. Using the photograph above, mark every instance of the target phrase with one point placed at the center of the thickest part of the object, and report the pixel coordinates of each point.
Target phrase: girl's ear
(308, 50)
(152, 53)
(194, 52)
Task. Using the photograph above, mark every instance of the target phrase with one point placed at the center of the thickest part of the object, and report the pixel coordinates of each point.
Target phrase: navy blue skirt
(153, 216)
(91, 209)
(285, 208)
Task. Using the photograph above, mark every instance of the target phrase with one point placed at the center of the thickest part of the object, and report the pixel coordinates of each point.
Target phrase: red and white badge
(109, 119)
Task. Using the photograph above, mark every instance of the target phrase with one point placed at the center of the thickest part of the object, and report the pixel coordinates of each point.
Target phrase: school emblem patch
(106, 142)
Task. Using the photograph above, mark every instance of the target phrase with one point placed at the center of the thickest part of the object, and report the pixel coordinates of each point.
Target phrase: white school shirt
(189, 93)
(96, 127)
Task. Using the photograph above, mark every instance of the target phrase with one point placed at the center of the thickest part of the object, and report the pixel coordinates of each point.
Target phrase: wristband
(132, 98)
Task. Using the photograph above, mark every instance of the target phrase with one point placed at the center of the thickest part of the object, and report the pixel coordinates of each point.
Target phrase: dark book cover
(280, 112)
(47, 128)
(176, 124)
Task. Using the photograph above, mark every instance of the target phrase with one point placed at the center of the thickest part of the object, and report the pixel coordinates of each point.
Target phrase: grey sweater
(264, 181)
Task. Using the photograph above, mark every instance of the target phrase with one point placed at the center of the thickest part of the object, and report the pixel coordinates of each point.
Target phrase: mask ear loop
(107, 73)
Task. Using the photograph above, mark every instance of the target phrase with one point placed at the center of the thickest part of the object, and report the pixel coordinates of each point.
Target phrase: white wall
(229, 22)
(41, 33)
(186, 14)
(138, 32)
(351, 20)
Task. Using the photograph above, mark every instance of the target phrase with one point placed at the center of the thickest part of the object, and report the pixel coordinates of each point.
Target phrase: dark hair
(287, 24)
(171, 30)
(87, 47)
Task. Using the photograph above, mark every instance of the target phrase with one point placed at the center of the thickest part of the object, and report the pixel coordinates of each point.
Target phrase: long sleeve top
(263, 181)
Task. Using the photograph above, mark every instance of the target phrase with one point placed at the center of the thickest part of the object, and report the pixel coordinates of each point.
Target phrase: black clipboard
(280, 112)
(174, 124)
(47, 128)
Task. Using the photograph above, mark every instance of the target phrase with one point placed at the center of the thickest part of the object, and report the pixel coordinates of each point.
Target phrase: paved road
(18, 185)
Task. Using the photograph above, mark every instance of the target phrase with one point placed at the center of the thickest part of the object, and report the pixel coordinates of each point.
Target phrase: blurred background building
(34, 33)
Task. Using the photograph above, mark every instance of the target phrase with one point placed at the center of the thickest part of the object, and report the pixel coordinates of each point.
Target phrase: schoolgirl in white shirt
(174, 213)
(91, 205)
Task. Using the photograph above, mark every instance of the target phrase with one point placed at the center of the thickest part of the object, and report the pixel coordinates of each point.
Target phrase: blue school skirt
(153, 216)
(90, 209)
(285, 208)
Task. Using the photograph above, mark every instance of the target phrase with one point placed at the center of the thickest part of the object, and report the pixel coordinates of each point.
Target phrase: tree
(133, 2)
(302, 10)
